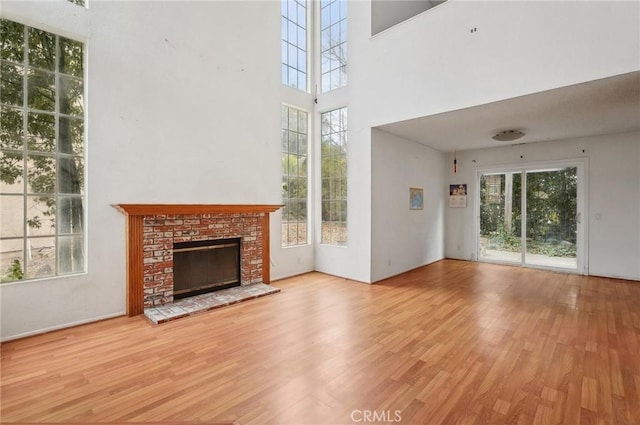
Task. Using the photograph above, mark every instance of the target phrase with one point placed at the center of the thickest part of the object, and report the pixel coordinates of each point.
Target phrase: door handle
(578, 218)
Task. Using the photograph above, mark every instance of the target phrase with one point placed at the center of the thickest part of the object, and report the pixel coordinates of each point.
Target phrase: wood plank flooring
(450, 343)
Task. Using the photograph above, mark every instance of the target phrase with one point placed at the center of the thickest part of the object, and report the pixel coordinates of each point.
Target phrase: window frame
(71, 162)
(285, 222)
(287, 44)
(332, 51)
(336, 203)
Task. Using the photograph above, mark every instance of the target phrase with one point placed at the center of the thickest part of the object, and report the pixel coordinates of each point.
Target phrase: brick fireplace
(152, 230)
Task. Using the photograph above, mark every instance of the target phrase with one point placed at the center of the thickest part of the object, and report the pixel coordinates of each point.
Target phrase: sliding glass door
(552, 218)
(500, 222)
(531, 217)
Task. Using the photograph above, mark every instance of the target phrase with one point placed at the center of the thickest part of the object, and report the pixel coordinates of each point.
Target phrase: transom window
(334, 177)
(333, 40)
(294, 43)
(42, 186)
(294, 176)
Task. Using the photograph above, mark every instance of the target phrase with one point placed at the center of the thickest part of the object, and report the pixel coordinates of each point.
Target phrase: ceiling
(606, 106)
(387, 13)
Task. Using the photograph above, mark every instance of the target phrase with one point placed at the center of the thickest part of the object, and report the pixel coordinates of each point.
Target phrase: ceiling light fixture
(508, 135)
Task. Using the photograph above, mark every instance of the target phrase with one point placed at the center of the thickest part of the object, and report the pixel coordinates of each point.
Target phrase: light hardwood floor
(450, 343)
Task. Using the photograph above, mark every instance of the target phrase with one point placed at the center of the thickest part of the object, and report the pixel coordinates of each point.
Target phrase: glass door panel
(551, 218)
(500, 217)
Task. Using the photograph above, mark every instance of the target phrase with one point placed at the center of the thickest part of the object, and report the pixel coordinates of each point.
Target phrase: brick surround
(151, 230)
(161, 231)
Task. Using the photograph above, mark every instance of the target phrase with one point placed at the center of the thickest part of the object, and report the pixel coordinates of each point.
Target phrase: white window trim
(68, 20)
(309, 199)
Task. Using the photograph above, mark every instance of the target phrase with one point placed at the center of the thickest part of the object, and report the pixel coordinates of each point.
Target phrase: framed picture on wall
(457, 190)
(416, 198)
(458, 195)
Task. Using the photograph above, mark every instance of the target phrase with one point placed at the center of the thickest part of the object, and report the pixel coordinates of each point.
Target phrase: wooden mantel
(153, 209)
(134, 231)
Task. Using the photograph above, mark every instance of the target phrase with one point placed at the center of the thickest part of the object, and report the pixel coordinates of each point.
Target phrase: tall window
(334, 177)
(41, 154)
(294, 176)
(333, 39)
(294, 43)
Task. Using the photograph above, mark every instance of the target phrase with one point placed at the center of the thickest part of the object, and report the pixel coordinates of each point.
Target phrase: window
(294, 43)
(333, 49)
(294, 176)
(41, 154)
(334, 177)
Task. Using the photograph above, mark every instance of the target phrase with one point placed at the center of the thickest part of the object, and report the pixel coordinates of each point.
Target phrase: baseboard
(59, 327)
(410, 270)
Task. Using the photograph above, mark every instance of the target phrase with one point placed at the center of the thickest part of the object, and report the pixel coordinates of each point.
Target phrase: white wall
(184, 101)
(613, 197)
(353, 260)
(433, 63)
(403, 239)
(183, 107)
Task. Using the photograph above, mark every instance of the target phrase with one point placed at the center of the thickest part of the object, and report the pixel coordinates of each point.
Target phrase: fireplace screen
(205, 266)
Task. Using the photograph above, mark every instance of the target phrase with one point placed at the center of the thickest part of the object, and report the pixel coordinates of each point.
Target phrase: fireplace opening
(205, 266)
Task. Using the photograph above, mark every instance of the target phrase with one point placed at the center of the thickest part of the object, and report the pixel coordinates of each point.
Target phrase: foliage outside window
(294, 176)
(294, 43)
(41, 154)
(334, 177)
(494, 182)
(333, 44)
(551, 212)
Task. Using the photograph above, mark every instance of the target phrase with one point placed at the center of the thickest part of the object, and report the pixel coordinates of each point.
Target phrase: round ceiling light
(508, 135)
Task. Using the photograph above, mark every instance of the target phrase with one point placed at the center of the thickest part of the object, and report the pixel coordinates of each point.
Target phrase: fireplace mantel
(135, 214)
(152, 209)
